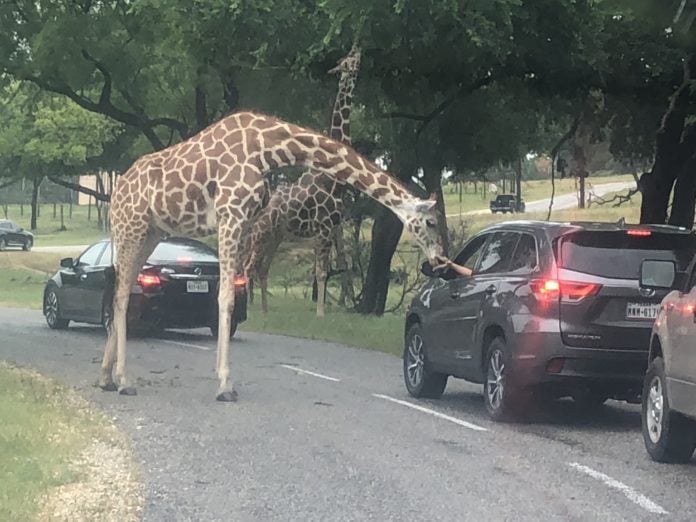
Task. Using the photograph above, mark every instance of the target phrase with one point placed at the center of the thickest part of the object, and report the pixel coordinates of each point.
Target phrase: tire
(421, 381)
(3, 244)
(233, 329)
(52, 312)
(503, 401)
(668, 435)
(27, 245)
(107, 316)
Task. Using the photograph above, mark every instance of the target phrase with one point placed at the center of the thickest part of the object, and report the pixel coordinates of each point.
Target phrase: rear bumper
(158, 309)
(543, 359)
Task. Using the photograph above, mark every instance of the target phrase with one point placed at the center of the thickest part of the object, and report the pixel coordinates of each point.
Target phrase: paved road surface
(344, 442)
(562, 201)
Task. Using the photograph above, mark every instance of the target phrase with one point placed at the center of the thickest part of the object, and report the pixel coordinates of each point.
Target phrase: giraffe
(215, 180)
(312, 207)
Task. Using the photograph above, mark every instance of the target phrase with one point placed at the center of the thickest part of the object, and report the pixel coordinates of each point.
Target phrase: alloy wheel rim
(655, 412)
(415, 361)
(51, 308)
(3, 244)
(495, 379)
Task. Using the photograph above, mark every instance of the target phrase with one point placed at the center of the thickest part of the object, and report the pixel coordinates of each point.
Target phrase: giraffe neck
(288, 145)
(340, 117)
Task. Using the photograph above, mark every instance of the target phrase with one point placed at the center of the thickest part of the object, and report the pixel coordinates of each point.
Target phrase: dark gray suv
(552, 309)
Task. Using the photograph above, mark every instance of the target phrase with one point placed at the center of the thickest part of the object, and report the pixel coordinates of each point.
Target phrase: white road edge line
(307, 372)
(431, 412)
(630, 493)
(187, 345)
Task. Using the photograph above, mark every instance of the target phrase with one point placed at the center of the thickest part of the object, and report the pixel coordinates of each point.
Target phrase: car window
(5, 226)
(172, 252)
(90, 256)
(620, 254)
(105, 258)
(525, 259)
(471, 252)
(498, 253)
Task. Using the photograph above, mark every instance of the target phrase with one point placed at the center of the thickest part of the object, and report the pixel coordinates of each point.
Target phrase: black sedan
(177, 288)
(12, 234)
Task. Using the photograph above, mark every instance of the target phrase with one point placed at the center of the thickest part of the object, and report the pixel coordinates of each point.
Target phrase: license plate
(642, 311)
(197, 287)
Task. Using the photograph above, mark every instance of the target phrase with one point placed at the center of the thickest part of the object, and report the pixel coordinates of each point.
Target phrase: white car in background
(669, 390)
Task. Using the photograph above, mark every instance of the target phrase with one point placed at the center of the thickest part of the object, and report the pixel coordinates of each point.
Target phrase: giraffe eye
(430, 223)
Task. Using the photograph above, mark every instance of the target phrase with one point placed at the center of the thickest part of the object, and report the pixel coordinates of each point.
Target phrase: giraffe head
(349, 64)
(420, 219)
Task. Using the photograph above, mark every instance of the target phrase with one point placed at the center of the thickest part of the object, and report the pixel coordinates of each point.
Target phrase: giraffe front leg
(323, 256)
(106, 380)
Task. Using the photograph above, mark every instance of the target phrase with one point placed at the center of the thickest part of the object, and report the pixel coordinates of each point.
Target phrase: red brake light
(147, 281)
(567, 291)
(240, 281)
(639, 232)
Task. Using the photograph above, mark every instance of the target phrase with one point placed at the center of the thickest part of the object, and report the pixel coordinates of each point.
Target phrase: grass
(297, 317)
(81, 228)
(22, 277)
(42, 430)
(531, 191)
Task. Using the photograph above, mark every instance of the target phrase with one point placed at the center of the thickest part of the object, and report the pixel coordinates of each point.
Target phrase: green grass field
(531, 191)
(43, 429)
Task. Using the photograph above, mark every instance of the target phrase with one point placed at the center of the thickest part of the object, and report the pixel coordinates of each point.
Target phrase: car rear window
(187, 252)
(619, 255)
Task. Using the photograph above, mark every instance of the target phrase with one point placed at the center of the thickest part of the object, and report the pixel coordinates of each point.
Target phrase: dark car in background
(12, 235)
(176, 288)
(505, 203)
(552, 309)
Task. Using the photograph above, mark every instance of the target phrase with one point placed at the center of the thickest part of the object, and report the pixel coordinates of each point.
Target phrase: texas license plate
(197, 287)
(642, 311)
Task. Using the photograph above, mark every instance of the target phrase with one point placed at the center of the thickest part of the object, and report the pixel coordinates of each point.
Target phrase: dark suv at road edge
(552, 309)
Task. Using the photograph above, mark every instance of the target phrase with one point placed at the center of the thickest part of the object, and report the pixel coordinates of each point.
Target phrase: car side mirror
(67, 262)
(657, 274)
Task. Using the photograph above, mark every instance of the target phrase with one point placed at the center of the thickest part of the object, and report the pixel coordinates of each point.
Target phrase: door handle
(491, 289)
(455, 295)
(83, 276)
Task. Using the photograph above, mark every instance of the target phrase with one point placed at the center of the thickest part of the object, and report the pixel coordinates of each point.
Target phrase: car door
(448, 315)
(681, 357)
(14, 237)
(77, 292)
(470, 296)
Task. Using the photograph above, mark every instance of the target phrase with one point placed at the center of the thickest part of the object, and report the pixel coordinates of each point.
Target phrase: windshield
(172, 252)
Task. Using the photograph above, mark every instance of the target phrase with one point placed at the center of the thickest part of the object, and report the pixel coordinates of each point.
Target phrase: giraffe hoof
(128, 391)
(228, 396)
(109, 387)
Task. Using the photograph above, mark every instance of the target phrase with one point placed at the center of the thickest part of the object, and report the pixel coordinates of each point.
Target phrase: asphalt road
(344, 442)
(560, 202)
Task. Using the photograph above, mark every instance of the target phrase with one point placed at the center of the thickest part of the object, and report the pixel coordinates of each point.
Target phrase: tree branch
(554, 153)
(79, 188)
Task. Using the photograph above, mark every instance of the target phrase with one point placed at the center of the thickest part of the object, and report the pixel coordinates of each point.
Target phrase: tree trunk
(347, 294)
(35, 202)
(672, 152)
(682, 214)
(386, 233)
(62, 219)
(581, 183)
(518, 181)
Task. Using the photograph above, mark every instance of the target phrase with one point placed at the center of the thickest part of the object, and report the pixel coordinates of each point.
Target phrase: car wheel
(233, 329)
(52, 311)
(3, 244)
(107, 316)
(502, 400)
(421, 381)
(27, 245)
(668, 435)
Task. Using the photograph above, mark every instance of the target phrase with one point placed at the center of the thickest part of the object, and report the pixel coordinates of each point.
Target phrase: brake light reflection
(240, 281)
(569, 291)
(639, 232)
(147, 281)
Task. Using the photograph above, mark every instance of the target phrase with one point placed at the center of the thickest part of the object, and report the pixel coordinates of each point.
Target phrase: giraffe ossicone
(215, 179)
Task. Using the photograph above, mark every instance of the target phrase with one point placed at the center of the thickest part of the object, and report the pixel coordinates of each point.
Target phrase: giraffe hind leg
(323, 257)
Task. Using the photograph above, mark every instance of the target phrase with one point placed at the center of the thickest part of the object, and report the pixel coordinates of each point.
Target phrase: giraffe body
(216, 179)
(312, 207)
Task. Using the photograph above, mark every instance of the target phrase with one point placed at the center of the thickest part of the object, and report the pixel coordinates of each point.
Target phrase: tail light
(639, 232)
(149, 281)
(240, 281)
(565, 291)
